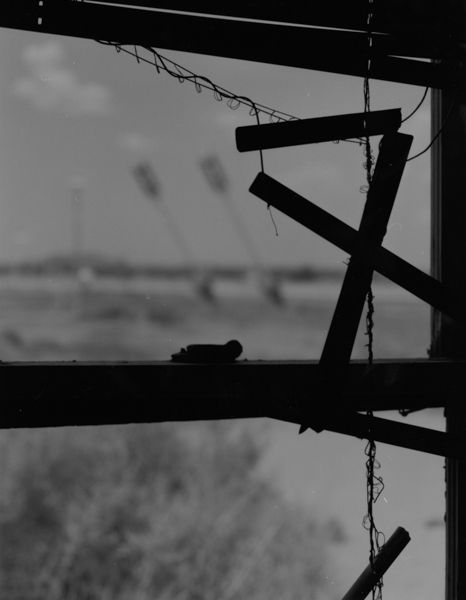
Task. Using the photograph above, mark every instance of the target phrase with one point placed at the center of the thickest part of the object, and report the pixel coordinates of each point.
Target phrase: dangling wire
(436, 136)
(374, 487)
(418, 106)
(261, 155)
(374, 483)
(369, 165)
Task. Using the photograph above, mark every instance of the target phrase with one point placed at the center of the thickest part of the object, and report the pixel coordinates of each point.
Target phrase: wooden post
(449, 265)
(394, 149)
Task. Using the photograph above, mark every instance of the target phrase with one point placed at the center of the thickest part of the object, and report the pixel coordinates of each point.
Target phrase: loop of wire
(375, 487)
(233, 103)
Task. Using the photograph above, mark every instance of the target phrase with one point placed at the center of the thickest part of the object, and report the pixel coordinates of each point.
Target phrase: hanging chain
(374, 483)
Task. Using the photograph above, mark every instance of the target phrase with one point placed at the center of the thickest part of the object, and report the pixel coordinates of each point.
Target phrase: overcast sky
(76, 111)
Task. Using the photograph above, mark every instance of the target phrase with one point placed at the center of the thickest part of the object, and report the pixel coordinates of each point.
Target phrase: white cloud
(51, 85)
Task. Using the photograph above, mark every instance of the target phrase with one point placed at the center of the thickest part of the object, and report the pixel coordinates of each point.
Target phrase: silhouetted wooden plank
(399, 16)
(317, 220)
(69, 394)
(312, 131)
(394, 149)
(389, 552)
(386, 431)
(339, 52)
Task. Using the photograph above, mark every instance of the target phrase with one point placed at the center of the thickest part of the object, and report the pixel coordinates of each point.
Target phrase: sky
(74, 113)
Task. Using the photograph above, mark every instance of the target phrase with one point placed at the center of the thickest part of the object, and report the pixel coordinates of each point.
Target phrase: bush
(150, 511)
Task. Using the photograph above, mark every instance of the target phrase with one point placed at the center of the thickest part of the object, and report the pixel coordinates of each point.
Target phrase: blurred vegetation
(150, 512)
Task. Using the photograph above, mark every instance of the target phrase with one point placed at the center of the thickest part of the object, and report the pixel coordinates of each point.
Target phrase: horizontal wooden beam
(314, 218)
(390, 16)
(313, 131)
(317, 49)
(68, 394)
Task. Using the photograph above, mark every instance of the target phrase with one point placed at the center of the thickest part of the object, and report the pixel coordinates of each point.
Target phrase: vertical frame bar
(448, 261)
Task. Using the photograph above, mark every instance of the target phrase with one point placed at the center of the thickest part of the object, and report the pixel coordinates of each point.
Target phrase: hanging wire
(370, 325)
(374, 483)
(418, 106)
(437, 135)
(200, 82)
(369, 166)
(374, 487)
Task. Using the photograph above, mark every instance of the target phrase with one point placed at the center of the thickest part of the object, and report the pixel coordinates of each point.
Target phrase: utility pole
(448, 260)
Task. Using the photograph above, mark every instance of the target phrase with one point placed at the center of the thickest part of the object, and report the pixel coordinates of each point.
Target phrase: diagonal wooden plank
(394, 150)
(319, 221)
(313, 131)
(389, 552)
(386, 431)
(339, 52)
